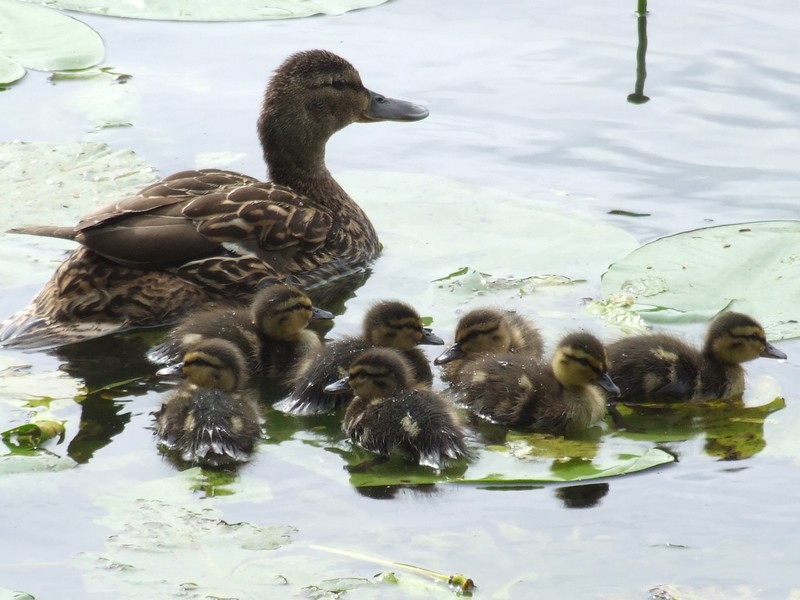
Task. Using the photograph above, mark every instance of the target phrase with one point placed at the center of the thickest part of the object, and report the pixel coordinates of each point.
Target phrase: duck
(562, 397)
(389, 414)
(212, 419)
(215, 235)
(388, 323)
(661, 367)
(486, 331)
(270, 333)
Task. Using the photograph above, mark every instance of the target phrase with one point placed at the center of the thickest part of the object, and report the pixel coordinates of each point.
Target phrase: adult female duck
(211, 234)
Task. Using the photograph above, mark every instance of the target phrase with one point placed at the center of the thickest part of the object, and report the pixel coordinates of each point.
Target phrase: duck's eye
(340, 84)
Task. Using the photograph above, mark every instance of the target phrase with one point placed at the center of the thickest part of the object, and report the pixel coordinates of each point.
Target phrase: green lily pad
(31, 435)
(750, 267)
(9, 595)
(10, 70)
(41, 38)
(212, 10)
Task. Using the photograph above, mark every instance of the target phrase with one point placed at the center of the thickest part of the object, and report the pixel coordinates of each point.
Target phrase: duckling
(488, 331)
(271, 333)
(518, 391)
(211, 235)
(662, 367)
(389, 323)
(212, 419)
(388, 413)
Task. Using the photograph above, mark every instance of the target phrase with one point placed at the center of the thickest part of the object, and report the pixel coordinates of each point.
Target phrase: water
(525, 98)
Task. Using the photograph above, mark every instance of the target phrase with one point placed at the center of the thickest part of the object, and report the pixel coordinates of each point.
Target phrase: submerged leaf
(212, 10)
(749, 267)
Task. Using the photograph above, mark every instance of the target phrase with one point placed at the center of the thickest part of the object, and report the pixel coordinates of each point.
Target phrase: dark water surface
(528, 98)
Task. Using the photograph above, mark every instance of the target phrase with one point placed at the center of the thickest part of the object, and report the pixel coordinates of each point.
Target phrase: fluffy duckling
(518, 391)
(488, 331)
(212, 419)
(662, 367)
(271, 333)
(211, 235)
(388, 414)
(389, 323)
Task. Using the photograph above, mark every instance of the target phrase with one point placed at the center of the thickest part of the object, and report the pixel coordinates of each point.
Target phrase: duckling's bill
(452, 353)
(319, 314)
(337, 387)
(430, 338)
(771, 351)
(605, 382)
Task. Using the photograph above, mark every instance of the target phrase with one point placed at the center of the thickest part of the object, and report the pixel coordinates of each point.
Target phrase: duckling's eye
(340, 84)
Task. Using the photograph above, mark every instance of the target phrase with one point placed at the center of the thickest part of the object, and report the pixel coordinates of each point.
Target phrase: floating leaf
(750, 267)
(31, 435)
(10, 70)
(30, 461)
(9, 595)
(40, 38)
(211, 10)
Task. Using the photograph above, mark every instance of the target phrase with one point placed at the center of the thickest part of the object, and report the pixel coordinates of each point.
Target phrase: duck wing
(193, 215)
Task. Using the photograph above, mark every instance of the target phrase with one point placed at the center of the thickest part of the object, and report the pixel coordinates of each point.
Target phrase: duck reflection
(732, 430)
(582, 496)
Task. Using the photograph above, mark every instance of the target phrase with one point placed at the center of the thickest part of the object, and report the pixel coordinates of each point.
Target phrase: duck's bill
(605, 382)
(452, 353)
(382, 108)
(318, 313)
(430, 338)
(337, 387)
(772, 352)
(171, 371)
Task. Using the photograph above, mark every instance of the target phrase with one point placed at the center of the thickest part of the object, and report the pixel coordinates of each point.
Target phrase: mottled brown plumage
(389, 323)
(662, 367)
(208, 235)
(212, 419)
(563, 397)
(388, 414)
(486, 331)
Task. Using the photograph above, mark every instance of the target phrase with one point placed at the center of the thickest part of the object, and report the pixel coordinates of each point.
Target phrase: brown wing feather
(271, 214)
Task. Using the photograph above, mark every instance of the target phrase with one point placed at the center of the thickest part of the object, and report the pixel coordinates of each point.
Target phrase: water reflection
(638, 97)
(732, 430)
(582, 496)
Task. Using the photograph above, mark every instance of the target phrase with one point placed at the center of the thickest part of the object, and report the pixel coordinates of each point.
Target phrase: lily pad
(41, 38)
(55, 184)
(750, 267)
(212, 10)
(10, 70)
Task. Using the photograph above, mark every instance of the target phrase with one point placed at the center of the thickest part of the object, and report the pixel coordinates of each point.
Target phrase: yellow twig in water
(457, 580)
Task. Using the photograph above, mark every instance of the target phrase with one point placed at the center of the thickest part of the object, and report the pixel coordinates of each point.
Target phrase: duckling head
(314, 94)
(397, 325)
(480, 331)
(580, 360)
(282, 311)
(215, 364)
(376, 373)
(735, 338)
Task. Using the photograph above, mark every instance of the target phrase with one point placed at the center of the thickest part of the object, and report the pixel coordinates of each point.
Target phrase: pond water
(528, 101)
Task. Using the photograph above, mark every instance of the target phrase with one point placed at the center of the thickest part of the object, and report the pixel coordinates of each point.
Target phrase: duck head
(282, 311)
(312, 95)
(215, 364)
(735, 338)
(580, 360)
(397, 325)
(376, 373)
